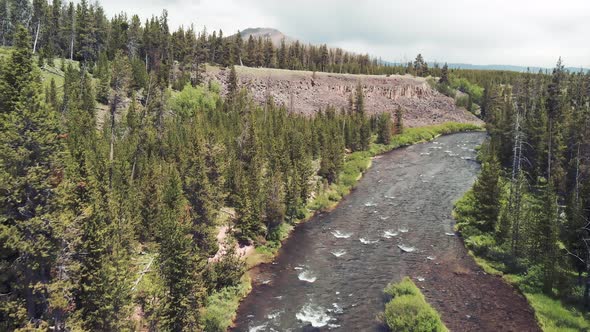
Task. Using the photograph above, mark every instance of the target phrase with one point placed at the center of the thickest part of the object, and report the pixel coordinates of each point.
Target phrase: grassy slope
(53, 71)
(227, 301)
(49, 71)
(552, 314)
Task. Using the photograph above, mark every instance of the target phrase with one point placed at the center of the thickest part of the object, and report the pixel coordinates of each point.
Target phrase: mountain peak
(273, 34)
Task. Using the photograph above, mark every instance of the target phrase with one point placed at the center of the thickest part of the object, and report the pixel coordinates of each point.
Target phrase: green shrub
(464, 209)
(348, 180)
(446, 90)
(320, 203)
(467, 230)
(220, 307)
(409, 311)
(334, 196)
(193, 99)
(463, 85)
(532, 281)
(480, 244)
(411, 314)
(404, 287)
(462, 101)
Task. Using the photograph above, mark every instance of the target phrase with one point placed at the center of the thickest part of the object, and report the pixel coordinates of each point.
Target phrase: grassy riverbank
(221, 306)
(554, 313)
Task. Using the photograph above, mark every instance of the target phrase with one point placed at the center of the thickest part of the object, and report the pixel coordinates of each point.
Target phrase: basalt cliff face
(307, 92)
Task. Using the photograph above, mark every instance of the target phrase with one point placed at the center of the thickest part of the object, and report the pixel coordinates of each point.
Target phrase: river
(397, 222)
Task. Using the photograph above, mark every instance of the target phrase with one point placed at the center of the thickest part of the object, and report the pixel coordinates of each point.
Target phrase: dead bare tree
(517, 180)
(36, 37)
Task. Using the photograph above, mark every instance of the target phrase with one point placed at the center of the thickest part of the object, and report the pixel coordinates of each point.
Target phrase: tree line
(82, 32)
(531, 203)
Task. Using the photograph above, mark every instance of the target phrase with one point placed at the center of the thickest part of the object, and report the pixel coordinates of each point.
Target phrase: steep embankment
(307, 92)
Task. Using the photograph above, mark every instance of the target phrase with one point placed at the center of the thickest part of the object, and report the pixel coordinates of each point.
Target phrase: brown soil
(307, 92)
(456, 286)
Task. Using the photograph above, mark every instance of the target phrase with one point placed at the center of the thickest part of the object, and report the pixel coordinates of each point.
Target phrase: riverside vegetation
(526, 217)
(118, 163)
(108, 220)
(408, 310)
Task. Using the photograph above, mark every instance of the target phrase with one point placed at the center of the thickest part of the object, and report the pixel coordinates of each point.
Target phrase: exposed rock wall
(307, 92)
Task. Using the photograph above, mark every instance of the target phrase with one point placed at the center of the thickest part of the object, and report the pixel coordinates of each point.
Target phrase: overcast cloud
(515, 32)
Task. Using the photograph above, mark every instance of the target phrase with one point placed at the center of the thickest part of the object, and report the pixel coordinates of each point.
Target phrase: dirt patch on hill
(307, 92)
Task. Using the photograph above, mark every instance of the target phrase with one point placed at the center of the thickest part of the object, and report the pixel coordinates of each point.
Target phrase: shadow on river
(397, 222)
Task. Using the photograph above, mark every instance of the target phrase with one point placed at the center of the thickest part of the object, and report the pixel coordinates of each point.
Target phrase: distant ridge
(509, 68)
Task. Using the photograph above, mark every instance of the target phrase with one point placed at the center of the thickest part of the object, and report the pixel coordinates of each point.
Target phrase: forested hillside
(528, 213)
(78, 203)
(121, 158)
(119, 167)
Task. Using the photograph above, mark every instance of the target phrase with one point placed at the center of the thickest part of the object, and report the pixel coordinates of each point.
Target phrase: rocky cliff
(306, 93)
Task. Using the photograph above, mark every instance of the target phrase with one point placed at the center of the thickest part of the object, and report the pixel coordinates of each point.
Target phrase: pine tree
(232, 85)
(359, 101)
(103, 296)
(85, 29)
(199, 193)
(547, 218)
(486, 192)
(103, 74)
(420, 66)
(365, 132)
(249, 183)
(282, 56)
(51, 96)
(30, 159)
(119, 83)
(179, 263)
(274, 213)
(399, 121)
(444, 76)
(238, 45)
(332, 153)
(384, 129)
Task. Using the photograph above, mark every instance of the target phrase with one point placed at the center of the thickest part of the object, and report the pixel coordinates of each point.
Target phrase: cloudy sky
(515, 32)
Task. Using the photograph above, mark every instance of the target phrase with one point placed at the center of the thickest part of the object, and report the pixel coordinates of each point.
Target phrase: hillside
(307, 92)
(275, 35)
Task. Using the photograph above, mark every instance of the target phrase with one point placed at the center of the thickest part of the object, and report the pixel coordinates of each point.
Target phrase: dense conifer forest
(84, 194)
(528, 213)
(117, 158)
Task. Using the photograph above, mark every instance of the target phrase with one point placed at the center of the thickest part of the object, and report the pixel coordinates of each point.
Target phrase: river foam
(307, 276)
(341, 235)
(339, 253)
(406, 248)
(314, 315)
(367, 241)
(390, 234)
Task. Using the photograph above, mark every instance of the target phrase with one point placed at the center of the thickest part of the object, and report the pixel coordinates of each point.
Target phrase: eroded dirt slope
(307, 92)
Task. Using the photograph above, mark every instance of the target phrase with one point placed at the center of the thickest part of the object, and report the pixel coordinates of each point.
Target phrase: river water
(331, 272)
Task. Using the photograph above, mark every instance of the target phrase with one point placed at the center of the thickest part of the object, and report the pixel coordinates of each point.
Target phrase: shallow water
(331, 272)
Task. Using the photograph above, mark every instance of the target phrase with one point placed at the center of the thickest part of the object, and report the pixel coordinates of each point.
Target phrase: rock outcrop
(307, 92)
